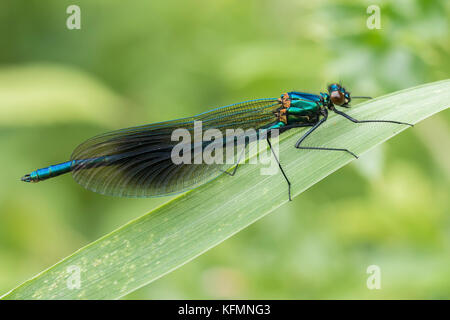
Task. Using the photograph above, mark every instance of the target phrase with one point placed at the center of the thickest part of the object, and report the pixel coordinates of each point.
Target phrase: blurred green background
(138, 62)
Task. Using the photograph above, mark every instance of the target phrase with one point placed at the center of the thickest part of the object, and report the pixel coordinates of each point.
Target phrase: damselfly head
(338, 95)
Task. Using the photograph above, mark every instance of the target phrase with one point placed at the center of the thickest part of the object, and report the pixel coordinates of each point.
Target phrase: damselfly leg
(318, 124)
(237, 164)
(281, 168)
(368, 121)
(282, 129)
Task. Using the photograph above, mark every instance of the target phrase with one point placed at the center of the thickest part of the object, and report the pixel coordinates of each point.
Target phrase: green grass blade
(185, 227)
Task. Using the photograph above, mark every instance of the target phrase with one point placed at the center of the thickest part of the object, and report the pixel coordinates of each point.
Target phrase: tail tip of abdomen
(29, 178)
(26, 178)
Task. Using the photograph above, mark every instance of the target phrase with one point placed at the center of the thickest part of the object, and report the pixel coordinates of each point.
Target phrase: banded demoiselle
(136, 162)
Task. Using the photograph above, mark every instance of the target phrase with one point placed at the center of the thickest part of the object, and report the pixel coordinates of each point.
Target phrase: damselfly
(137, 162)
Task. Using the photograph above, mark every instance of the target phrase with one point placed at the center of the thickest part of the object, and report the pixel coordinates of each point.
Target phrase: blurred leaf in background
(140, 62)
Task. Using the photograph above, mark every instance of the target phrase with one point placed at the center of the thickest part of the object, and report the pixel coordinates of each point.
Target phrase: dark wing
(137, 162)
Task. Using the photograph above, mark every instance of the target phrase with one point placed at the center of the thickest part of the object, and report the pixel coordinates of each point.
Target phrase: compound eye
(337, 98)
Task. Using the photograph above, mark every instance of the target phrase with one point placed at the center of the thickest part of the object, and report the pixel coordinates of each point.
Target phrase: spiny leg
(366, 121)
(237, 164)
(295, 125)
(282, 129)
(281, 168)
(321, 121)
